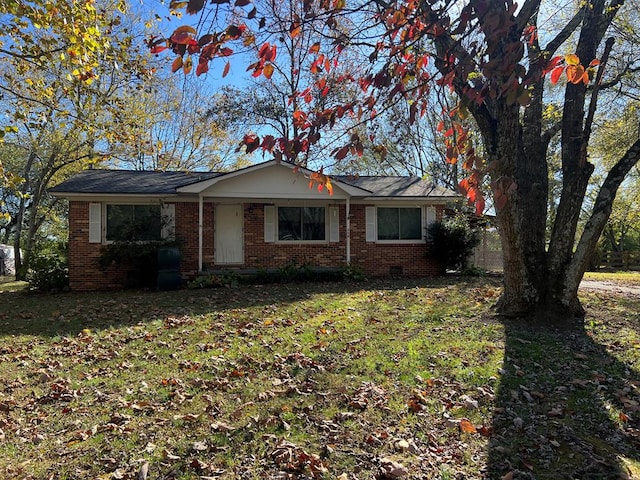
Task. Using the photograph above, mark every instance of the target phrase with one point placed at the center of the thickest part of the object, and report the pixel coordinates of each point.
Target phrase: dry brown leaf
(466, 426)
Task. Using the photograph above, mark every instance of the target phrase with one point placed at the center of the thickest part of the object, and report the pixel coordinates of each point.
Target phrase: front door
(228, 235)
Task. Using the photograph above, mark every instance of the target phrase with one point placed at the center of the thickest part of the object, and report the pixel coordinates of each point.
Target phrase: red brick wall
(375, 259)
(380, 259)
(84, 273)
(259, 254)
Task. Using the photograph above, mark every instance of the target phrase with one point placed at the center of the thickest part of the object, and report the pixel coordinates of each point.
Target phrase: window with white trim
(301, 224)
(133, 222)
(399, 223)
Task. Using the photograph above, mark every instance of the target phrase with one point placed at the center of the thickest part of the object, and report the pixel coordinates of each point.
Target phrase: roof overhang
(208, 186)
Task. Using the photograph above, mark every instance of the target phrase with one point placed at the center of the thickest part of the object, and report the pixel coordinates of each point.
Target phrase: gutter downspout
(348, 215)
(200, 230)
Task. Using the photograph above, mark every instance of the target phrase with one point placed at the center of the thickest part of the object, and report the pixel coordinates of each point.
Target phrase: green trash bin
(169, 258)
(169, 277)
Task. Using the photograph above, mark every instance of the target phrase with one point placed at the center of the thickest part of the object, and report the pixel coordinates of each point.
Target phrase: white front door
(228, 235)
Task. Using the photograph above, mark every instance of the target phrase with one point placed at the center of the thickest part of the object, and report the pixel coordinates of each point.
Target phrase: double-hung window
(399, 223)
(301, 223)
(133, 223)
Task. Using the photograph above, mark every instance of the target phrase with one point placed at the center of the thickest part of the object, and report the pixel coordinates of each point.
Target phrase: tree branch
(565, 33)
(600, 214)
(588, 124)
(528, 10)
(551, 132)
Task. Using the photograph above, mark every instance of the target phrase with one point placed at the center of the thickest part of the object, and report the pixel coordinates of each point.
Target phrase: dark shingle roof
(397, 186)
(129, 182)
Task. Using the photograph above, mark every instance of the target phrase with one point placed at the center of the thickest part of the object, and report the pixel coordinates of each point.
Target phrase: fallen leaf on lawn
(555, 412)
(466, 426)
(143, 472)
(390, 469)
(222, 427)
(469, 403)
(367, 395)
(414, 406)
(200, 446)
(189, 417)
(166, 454)
(401, 445)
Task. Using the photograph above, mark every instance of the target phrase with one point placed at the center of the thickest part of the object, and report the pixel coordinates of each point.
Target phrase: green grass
(621, 277)
(313, 381)
(9, 284)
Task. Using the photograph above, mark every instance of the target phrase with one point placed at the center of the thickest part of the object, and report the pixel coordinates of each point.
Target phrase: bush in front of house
(138, 259)
(452, 242)
(48, 268)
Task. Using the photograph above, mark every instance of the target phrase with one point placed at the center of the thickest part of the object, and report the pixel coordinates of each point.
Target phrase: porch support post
(348, 225)
(200, 230)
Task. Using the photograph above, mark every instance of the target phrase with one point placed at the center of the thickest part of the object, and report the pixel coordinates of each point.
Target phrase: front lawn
(399, 379)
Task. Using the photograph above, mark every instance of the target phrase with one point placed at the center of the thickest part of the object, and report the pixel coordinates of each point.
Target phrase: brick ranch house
(262, 216)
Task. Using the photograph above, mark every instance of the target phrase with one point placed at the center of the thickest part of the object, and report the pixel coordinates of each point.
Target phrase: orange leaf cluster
(321, 180)
(570, 64)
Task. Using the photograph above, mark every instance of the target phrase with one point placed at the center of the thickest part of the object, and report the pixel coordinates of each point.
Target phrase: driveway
(612, 287)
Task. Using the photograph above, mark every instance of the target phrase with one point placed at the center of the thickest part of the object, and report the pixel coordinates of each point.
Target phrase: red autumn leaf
(227, 67)
(624, 417)
(185, 29)
(252, 142)
(553, 63)
(342, 152)
(295, 29)
(264, 49)
(271, 55)
(203, 67)
(299, 117)
(575, 73)
(158, 48)
(225, 52)
(193, 46)
(466, 426)
(555, 74)
(242, 3)
(315, 48)
(585, 77)
(594, 62)
(176, 65)
(480, 204)
(181, 38)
